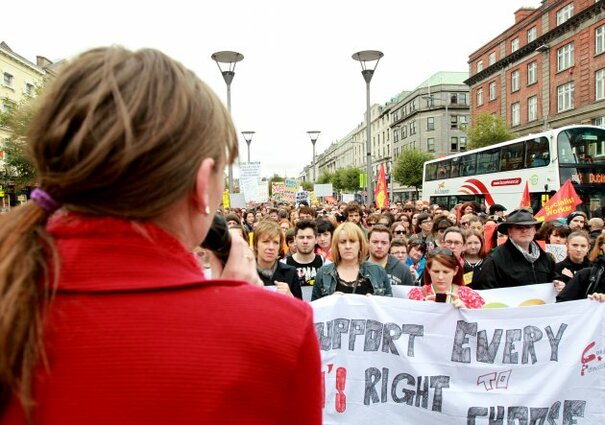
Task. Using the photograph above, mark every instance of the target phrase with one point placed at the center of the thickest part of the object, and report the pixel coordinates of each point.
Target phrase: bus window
(487, 161)
(443, 169)
(469, 164)
(581, 146)
(431, 171)
(511, 157)
(455, 167)
(537, 153)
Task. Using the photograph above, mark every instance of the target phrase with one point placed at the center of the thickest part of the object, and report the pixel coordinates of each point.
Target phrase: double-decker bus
(497, 174)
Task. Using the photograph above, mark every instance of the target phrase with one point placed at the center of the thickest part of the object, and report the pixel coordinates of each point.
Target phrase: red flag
(381, 193)
(525, 199)
(561, 204)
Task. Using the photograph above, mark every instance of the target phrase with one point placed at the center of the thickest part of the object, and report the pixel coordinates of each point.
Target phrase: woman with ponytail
(105, 317)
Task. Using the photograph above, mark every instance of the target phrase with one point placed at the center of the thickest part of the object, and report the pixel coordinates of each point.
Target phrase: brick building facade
(545, 71)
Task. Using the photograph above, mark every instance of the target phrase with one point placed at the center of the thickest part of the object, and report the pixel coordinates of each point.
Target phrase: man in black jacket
(519, 261)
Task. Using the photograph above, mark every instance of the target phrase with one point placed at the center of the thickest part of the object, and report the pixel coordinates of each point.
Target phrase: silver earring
(207, 210)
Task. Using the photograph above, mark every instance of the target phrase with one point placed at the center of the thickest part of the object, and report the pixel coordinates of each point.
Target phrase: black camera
(218, 239)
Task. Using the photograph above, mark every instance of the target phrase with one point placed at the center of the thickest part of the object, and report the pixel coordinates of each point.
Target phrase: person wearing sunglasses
(520, 260)
(399, 230)
(443, 282)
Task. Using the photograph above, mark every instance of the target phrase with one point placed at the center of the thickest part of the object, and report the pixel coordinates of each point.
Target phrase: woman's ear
(203, 180)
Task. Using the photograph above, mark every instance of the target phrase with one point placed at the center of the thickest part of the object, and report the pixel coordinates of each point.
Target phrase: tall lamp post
(248, 138)
(229, 60)
(369, 61)
(314, 135)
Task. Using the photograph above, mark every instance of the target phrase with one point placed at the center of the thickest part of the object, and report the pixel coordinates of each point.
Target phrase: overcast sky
(297, 73)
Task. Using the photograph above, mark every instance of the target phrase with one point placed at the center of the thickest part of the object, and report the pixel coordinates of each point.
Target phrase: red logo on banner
(506, 182)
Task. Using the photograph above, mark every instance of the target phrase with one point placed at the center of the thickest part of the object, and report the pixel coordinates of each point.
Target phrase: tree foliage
(487, 130)
(409, 166)
(308, 186)
(18, 168)
(346, 179)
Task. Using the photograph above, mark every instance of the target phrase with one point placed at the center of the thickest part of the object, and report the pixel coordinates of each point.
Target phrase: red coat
(134, 336)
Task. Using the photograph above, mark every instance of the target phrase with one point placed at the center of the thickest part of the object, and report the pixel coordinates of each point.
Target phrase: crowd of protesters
(487, 248)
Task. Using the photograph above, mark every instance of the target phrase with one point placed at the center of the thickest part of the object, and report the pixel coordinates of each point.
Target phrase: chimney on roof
(523, 13)
(42, 62)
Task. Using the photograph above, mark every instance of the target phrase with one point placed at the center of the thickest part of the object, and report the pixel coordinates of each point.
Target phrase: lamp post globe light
(248, 138)
(228, 59)
(369, 61)
(314, 135)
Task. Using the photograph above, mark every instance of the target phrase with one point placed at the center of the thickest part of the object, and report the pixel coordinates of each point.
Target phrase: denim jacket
(326, 279)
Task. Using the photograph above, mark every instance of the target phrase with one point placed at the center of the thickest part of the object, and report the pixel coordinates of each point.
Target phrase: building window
(404, 132)
(565, 97)
(532, 34)
(565, 57)
(479, 97)
(462, 99)
(532, 73)
(479, 66)
(454, 144)
(430, 123)
(395, 135)
(600, 121)
(430, 144)
(600, 84)
(8, 79)
(532, 108)
(564, 13)
(514, 45)
(454, 122)
(463, 121)
(412, 127)
(491, 59)
(462, 143)
(29, 89)
(600, 40)
(514, 80)
(515, 114)
(492, 90)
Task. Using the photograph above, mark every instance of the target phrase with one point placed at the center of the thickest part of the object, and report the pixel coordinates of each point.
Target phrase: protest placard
(395, 361)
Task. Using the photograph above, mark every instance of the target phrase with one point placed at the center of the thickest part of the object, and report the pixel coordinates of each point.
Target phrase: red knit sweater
(134, 336)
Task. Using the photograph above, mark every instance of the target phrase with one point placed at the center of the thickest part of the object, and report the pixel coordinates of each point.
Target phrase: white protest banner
(557, 251)
(521, 296)
(250, 170)
(348, 197)
(237, 200)
(323, 189)
(395, 361)
(543, 293)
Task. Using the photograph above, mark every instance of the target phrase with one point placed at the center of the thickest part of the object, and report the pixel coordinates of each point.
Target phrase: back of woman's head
(123, 133)
(118, 133)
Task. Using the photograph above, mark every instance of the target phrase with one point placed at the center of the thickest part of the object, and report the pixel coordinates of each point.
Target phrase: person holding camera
(444, 282)
(106, 317)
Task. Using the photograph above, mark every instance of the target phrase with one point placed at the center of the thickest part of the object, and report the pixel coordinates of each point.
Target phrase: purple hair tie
(44, 200)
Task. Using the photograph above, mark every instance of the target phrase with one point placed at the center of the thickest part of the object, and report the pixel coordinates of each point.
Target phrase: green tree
(350, 180)
(487, 130)
(325, 178)
(18, 169)
(308, 186)
(408, 168)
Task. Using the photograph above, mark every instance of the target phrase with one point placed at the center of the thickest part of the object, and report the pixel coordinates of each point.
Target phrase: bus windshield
(581, 146)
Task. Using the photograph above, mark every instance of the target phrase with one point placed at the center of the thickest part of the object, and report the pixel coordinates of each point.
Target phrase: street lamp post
(369, 61)
(248, 138)
(229, 59)
(314, 135)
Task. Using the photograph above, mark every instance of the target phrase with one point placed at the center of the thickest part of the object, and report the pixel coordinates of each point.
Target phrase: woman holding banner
(444, 282)
(350, 273)
(106, 317)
